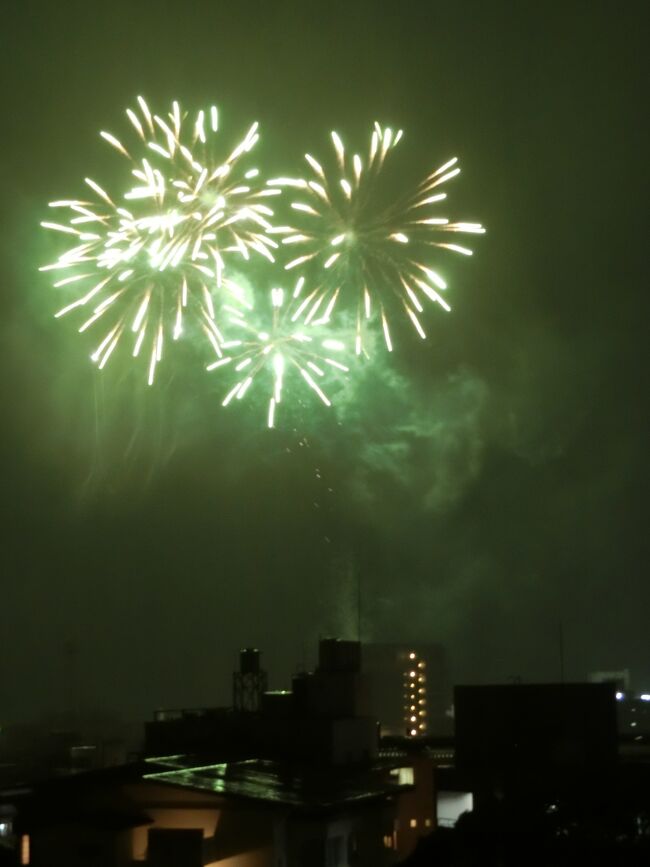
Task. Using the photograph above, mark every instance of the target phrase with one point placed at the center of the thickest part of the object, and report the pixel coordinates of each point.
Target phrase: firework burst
(144, 260)
(272, 343)
(364, 252)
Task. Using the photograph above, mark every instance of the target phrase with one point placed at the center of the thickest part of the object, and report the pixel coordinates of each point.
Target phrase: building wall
(416, 813)
(351, 839)
(262, 857)
(207, 820)
(353, 740)
(234, 834)
(78, 846)
(230, 832)
(536, 740)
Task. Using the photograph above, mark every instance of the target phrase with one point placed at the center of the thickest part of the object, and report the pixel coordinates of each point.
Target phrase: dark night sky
(488, 486)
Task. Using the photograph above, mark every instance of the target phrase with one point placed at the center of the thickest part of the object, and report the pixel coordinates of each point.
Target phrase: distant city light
(645, 696)
(619, 696)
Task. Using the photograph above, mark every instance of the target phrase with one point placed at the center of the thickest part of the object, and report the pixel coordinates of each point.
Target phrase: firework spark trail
(275, 347)
(141, 261)
(362, 251)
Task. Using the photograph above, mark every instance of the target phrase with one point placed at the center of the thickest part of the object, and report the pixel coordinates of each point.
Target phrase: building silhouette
(283, 779)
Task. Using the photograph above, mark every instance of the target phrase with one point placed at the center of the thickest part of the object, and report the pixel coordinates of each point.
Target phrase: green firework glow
(272, 342)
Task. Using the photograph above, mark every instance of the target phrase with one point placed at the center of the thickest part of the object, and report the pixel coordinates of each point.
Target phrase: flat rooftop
(277, 783)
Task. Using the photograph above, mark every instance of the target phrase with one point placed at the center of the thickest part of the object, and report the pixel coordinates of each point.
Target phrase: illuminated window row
(415, 696)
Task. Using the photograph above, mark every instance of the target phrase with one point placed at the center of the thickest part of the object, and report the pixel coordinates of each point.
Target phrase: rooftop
(277, 783)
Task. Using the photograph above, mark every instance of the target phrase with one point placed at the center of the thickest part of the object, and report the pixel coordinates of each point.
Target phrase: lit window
(5, 828)
(405, 776)
(24, 849)
(413, 823)
(388, 841)
(427, 823)
(421, 665)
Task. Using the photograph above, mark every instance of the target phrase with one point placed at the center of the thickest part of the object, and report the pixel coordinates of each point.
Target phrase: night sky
(486, 485)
